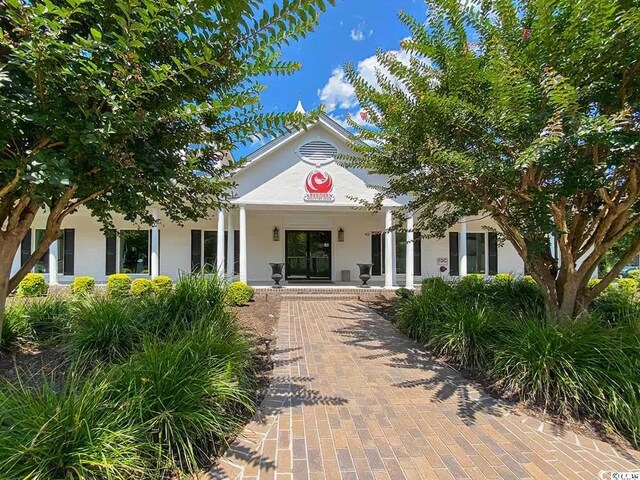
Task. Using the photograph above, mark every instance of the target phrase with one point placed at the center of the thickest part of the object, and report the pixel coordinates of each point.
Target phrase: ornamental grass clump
(465, 334)
(573, 369)
(13, 327)
(47, 318)
(417, 314)
(73, 432)
(105, 328)
(186, 395)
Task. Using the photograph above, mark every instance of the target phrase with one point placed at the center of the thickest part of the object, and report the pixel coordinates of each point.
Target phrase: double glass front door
(308, 255)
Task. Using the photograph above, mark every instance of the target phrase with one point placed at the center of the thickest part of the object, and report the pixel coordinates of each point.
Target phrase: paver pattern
(353, 398)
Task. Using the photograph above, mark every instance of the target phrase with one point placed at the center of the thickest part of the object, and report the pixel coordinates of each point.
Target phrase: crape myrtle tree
(526, 112)
(120, 105)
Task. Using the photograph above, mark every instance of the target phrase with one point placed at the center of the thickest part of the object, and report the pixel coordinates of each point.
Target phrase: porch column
(230, 246)
(243, 243)
(53, 263)
(463, 247)
(409, 253)
(155, 247)
(220, 245)
(388, 249)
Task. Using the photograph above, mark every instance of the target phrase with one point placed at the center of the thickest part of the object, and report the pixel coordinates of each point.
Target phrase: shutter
(68, 253)
(376, 254)
(25, 248)
(493, 253)
(417, 253)
(111, 257)
(236, 252)
(454, 253)
(196, 250)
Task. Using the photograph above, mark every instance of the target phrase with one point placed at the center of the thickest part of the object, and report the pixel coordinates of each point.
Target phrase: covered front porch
(318, 245)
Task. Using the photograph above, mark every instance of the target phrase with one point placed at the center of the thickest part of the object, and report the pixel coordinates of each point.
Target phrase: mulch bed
(259, 319)
(386, 308)
(31, 364)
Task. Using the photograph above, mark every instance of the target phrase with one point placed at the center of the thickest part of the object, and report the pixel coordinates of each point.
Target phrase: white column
(243, 243)
(463, 247)
(53, 263)
(230, 246)
(388, 249)
(155, 247)
(220, 245)
(409, 251)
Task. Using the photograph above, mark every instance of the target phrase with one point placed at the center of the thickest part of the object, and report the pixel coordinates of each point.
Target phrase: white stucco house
(294, 204)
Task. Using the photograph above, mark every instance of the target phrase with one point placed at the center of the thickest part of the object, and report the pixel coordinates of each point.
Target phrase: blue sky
(349, 32)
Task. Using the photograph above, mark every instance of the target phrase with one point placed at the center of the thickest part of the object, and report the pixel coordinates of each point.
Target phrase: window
(210, 251)
(479, 257)
(134, 251)
(204, 250)
(377, 253)
(42, 265)
(66, 247)
(476, 253)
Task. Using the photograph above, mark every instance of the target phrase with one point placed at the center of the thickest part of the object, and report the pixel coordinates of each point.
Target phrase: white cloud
(357, 35)
(338, 92)
(359, 32)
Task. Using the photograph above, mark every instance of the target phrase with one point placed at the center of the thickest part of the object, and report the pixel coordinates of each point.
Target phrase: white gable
(292, 169)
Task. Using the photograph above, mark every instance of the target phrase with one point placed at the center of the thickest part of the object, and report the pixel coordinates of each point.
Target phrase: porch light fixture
(341, 235)
(276, 234)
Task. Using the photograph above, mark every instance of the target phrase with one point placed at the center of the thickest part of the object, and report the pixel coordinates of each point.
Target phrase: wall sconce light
(341, 235)
(276, 234)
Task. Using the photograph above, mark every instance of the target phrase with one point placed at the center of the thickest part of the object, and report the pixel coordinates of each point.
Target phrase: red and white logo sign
(319, 187)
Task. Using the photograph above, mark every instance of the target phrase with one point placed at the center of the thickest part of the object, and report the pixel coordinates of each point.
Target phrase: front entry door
(308, 255)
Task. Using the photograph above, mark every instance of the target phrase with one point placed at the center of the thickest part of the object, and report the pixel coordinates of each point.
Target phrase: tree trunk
(9, 247)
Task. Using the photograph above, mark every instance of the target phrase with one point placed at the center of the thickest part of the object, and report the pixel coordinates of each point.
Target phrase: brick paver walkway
(352, 398)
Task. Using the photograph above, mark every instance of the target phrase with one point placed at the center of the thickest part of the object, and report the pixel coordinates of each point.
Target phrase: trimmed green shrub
(615, 306)
(32, 285)
(105, 328)
(82, 285)
(404, 293)
(141, 287)
(163, 284)
(70, 433)
(529, 279)
(634, 274)
(433, 282)
(470, 287)
(503, 277)
(118, 285)
(47, 318)
(593, 282)
(628, 286)
(239, 293)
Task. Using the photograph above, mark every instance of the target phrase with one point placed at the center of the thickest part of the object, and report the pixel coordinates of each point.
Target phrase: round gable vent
(317, 152)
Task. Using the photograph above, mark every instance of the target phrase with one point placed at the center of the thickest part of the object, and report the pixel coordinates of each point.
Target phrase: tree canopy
(118, 105)
(525, 111)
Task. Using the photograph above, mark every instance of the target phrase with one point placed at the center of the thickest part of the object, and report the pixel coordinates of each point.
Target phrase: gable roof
(278, 142)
